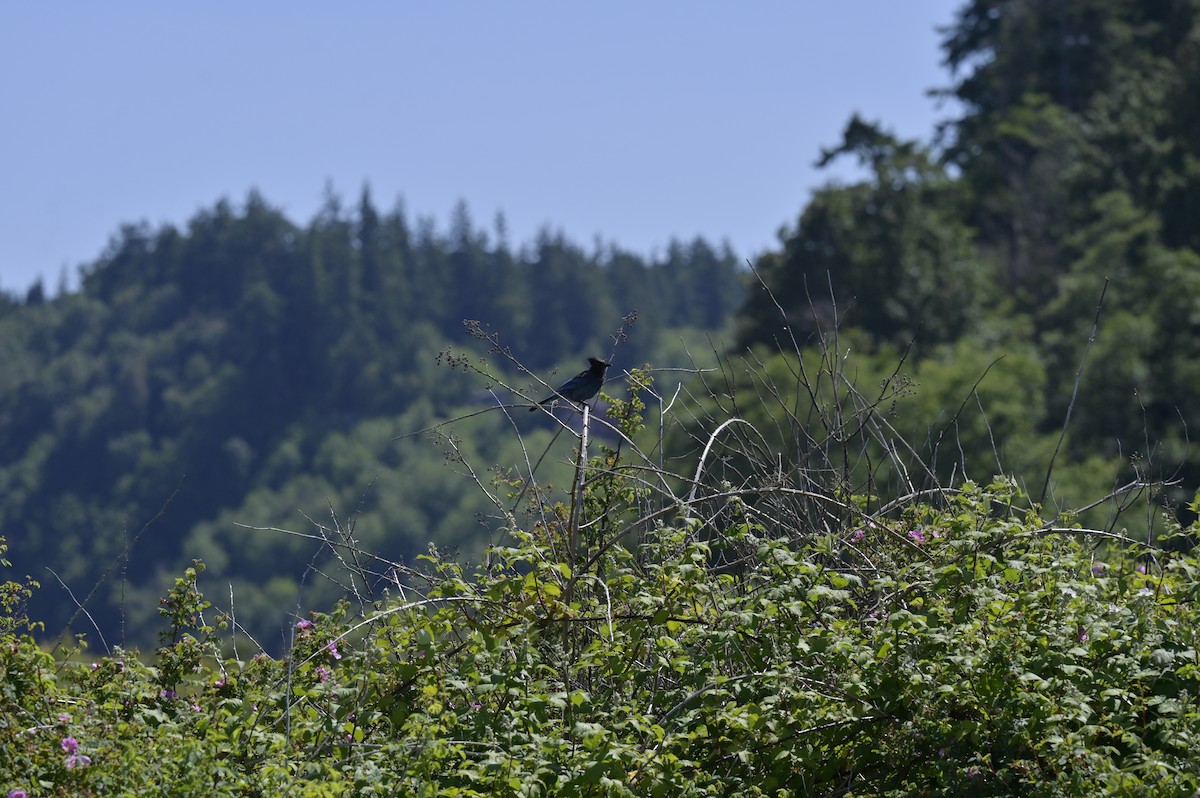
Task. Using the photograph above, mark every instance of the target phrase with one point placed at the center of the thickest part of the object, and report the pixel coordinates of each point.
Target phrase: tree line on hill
(238, 360)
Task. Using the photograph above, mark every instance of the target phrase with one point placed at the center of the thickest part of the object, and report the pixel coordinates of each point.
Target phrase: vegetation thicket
(776, 636)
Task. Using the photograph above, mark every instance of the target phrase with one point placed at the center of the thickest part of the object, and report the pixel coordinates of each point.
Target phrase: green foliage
(14, 598)
(959, 645)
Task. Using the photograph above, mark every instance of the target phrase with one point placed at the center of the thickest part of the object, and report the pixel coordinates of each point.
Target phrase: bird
(582, 386)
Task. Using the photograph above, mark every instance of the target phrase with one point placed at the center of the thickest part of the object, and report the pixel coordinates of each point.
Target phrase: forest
(246, 370)
(903, 506)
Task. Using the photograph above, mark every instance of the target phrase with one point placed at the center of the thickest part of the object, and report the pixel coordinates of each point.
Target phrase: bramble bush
(787, 633)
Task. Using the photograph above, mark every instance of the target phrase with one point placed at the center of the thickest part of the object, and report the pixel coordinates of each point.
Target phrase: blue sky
(634, 122)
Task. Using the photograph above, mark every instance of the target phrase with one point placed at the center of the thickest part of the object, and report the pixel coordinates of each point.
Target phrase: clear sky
(632, 121)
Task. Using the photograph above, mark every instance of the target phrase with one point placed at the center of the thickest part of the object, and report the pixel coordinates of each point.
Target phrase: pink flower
(304, 624)
(78, 760)
(70, 745)
(64, 718)
(917, 535)
(323, 674)
(333, 649)
(17, 794)
(858, 535)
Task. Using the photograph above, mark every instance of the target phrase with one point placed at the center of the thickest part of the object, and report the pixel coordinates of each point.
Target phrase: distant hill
(248, 369)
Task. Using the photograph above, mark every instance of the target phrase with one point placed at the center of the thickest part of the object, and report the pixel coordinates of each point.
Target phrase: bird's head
(598, 364)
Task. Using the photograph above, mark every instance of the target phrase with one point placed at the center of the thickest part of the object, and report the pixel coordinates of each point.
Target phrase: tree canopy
(1071, 172)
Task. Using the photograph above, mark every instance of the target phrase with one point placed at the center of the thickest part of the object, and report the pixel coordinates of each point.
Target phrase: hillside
(248, 370)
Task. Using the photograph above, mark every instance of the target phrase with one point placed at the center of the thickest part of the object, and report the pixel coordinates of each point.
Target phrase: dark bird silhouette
(582, 386)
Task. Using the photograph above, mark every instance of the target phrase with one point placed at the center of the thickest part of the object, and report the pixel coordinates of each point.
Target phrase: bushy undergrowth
(944, 642)
(956, 648)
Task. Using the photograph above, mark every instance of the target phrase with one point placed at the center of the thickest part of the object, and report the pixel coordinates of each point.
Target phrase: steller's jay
(582, 386)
